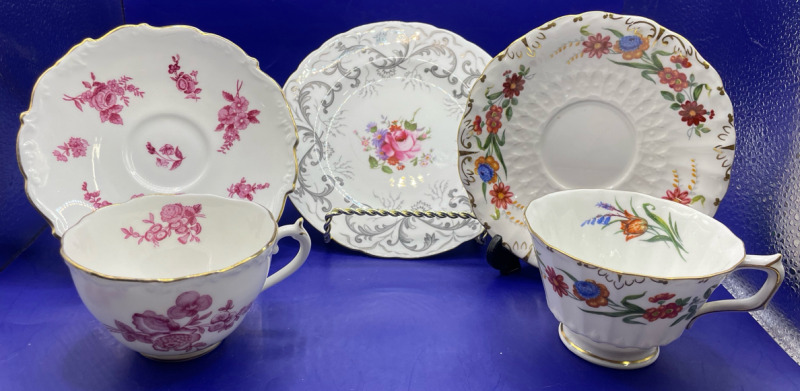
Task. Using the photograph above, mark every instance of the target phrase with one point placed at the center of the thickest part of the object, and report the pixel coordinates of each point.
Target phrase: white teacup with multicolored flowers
(626, 273)
(171, 276)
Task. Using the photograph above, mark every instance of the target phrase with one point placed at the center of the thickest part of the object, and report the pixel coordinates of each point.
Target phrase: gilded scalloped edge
(145, 25)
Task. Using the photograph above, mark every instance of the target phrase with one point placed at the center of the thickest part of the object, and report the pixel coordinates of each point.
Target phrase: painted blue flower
(629, 43)
(486, 172)
(587, 290)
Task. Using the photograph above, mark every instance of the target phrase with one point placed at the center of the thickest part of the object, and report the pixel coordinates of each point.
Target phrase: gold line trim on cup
(260, 251)
(146, 25)
(590, 354)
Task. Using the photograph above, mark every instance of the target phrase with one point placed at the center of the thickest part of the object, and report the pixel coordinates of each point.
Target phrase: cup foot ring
(185, 356)
(604, 354)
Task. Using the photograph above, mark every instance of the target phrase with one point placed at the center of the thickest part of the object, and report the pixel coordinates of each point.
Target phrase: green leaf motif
(699, 198)
(697, 91)
(514, 101)
(616, 33)
(373, 163)
(657, 62)
(646, 74)
(636, 65)
(584, 32)
(505, 103)
(386, 169)
(495, 95)
(668, 95)
(675, 106)
(509, 113)
(409, 125)
(680, 97)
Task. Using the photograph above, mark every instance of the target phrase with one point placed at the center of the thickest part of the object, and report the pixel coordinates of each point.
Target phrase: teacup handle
(298, 233)
(775, 273)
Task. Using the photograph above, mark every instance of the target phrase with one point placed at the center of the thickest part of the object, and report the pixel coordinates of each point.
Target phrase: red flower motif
(513, 86)
(661, 297)
(675, 79)
(557, 281)
(676, 195)
(597, 45)
(692, 113)
(669, 311)
(476, 125)
(633, 226)
(493, 116)
(680, 59)
(189, 304)
(501, 195)
(652, 314)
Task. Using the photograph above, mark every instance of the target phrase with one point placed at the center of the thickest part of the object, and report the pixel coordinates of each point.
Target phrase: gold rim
(322, 219)
(660, 34)
(623, 363)
(145, 25)
(87, 270)
(657, 200)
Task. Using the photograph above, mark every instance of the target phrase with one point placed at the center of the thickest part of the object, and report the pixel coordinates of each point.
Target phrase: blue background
(347, 321)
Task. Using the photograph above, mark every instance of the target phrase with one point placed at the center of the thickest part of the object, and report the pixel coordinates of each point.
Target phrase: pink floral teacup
(626, 273)
(170, 276)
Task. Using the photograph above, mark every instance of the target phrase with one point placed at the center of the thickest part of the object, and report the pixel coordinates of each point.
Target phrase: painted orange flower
(633, 227)
(493, 116)
(487, 167)
(476, 125)
(633, 46)
(672, 77)
(501, 195)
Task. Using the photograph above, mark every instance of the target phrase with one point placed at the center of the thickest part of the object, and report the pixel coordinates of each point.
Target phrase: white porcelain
(170, 276)
(147, 110)
(567, 107)
(625, 272)
(377, 110)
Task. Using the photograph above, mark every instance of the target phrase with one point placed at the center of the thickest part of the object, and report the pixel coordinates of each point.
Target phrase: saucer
(147, 110)
(595, 100)
(377, 110)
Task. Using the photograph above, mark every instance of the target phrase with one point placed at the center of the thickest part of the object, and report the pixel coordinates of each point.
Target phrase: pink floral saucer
(595, 100)
(154, 110)
(377, 110)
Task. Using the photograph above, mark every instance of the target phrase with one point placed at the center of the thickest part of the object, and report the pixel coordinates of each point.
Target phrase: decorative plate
(595, 100)
(154, 110)
(377, 110)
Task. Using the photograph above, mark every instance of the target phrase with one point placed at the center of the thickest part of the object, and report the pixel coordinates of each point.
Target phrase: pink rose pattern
(166, 333)
(395, 144)
(245, 190)
(75, 146)
(175, 218)
(234, 117)
(105, 97)
(93, 197)
(185, 82)
(166, 156)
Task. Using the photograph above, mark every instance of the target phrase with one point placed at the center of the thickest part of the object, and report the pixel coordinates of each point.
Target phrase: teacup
(170, 276)
(626, 273)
